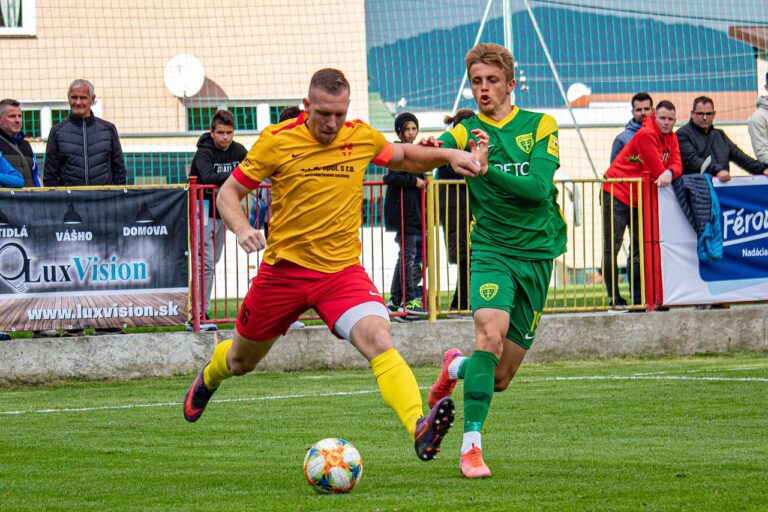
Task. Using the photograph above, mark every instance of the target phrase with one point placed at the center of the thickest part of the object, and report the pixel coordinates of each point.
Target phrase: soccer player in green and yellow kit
(518, 230)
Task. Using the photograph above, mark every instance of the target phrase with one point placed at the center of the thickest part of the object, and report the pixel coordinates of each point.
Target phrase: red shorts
(280, 293)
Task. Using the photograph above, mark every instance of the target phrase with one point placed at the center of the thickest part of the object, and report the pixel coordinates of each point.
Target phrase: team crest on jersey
(553, 146)
(525, 142)
(489, 290)
(346, 148)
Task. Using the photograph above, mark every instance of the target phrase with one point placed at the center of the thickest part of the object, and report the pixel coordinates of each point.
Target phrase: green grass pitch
(629, 434)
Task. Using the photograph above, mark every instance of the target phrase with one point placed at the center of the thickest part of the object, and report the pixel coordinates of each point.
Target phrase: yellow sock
(217, 370)
(398, 387)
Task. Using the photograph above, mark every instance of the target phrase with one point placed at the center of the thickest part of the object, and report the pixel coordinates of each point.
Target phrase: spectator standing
(642, 107)
(83, 149)
(654, 148)
(216, 157)
(454, 218)
(700, 140)
(16, 152)
(13, 144)
(758, 126)
(9, 178)
(403, 215)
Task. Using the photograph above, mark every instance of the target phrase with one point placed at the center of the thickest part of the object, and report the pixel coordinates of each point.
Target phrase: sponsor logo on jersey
(525, 142)
(489, 290)
(553, 146)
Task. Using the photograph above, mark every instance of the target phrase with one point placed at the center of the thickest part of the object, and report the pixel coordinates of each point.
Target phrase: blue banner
(745, 234)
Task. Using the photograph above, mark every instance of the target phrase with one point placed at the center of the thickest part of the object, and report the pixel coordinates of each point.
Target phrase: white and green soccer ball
(333, 465)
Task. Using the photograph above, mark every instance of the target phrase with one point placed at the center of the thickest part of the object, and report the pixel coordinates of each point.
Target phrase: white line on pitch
(176, 404)
(374, 391)
(652, 377)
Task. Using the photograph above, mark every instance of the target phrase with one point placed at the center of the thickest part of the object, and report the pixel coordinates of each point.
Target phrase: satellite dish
(184, 75)
(576, 91)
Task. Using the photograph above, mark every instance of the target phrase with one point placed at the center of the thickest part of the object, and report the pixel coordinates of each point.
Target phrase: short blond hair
(329, 80)
(493, 55)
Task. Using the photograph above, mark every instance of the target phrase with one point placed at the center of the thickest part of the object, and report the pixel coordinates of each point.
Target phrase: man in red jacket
(654, 149)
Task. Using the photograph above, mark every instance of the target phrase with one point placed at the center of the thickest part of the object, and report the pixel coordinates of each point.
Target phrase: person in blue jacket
(9, 177)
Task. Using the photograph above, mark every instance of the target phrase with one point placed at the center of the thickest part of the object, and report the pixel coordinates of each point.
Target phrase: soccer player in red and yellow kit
(316, 163)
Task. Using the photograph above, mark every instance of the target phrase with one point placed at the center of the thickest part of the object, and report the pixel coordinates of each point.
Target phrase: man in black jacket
(83, 150)
(700, 140)
(216, 157)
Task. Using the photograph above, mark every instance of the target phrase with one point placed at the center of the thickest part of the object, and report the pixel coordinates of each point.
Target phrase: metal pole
(432, 284)
(508, 42)
(194, 237)
(559, 85)
(477, 40)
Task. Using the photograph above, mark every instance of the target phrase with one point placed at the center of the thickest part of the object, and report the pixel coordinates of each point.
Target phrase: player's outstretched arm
(228, 202)
(418, 158)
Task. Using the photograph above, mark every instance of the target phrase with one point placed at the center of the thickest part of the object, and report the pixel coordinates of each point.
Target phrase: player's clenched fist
(251, 240)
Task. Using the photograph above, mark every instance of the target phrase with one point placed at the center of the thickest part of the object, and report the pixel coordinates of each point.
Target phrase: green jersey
(515, 203)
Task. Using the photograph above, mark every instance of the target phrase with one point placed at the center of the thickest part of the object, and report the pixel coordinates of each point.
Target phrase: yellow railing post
(432, 286)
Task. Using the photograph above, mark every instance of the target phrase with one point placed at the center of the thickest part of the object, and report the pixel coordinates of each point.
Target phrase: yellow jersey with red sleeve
(317, 190)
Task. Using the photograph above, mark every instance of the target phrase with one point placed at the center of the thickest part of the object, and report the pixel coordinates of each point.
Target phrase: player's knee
(381, 339)
(491, 342)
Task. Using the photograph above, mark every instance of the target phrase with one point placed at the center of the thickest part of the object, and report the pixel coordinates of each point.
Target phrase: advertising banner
(99, 258)
(742, 274)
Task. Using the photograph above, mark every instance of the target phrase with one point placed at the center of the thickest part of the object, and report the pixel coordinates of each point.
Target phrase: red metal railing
(233, 272)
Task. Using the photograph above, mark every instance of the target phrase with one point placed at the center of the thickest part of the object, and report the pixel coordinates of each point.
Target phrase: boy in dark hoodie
(216, 157)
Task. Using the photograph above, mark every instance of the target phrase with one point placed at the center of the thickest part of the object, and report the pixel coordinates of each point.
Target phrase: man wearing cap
(758, 126)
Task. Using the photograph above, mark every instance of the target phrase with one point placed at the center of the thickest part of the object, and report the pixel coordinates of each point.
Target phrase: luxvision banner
(93, 258)
(742, 274)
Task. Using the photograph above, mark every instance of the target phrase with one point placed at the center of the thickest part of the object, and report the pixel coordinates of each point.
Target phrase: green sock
(478, 389)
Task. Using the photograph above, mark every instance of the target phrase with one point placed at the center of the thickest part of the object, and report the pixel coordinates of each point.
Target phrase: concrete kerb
(560, 336)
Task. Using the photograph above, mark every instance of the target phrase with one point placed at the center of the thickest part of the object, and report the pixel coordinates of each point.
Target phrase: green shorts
(516, 286)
